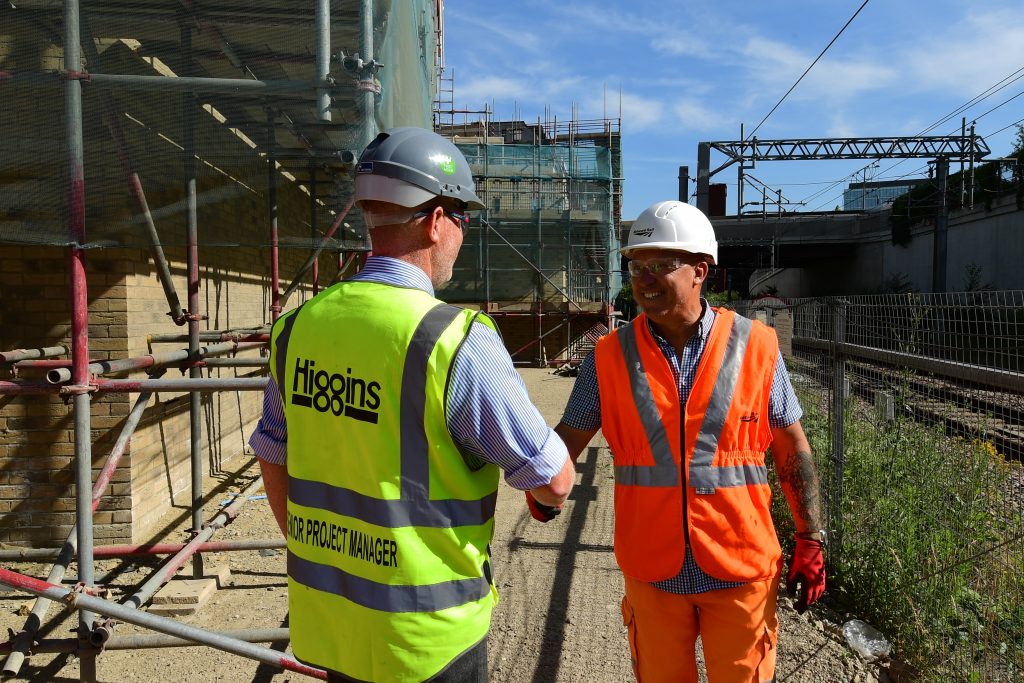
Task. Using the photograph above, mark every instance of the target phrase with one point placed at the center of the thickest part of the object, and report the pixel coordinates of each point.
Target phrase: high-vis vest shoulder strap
(714, 448)
(388, 529)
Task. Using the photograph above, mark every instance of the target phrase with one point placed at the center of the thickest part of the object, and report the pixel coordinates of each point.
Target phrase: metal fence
(913, 405)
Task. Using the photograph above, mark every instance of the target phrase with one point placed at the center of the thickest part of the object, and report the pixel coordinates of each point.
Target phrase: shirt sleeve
(583, 409)
(490, 415)
(270, 439)
(783, 406)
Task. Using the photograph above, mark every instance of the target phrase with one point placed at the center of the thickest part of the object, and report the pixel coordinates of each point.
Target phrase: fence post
(834, 523)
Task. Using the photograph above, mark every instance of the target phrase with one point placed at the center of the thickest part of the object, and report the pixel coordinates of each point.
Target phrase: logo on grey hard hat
(445, 163)
(365, 167)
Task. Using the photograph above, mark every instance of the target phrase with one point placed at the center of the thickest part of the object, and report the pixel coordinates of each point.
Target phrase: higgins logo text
(334, 392)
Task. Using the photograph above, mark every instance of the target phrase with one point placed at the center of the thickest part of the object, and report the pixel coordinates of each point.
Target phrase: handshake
(541, 512)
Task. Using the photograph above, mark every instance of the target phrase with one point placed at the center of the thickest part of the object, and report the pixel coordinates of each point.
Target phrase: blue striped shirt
(583, 411)
(489, 412)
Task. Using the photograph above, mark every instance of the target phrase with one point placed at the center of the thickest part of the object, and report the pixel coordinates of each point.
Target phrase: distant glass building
(861, 196)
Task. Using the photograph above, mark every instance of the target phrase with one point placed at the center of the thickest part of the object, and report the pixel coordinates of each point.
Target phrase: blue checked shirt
(489, 412)
(583, 411)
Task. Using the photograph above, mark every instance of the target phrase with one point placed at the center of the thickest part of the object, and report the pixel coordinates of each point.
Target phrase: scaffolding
(201, 147)
(542, 258)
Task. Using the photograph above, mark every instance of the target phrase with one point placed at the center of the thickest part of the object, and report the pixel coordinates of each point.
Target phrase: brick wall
(37, 496)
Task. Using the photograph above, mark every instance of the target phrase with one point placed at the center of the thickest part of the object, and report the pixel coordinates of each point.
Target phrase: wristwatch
(820, 535)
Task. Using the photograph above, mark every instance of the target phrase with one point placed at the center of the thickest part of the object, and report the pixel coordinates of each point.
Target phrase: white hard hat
(673, 225)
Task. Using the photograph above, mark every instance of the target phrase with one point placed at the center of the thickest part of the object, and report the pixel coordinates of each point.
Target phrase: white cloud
(640, 112)
(678, 43)
(662, 29)
(556, 91)
(775, 67)
(508, 35)
(841, 127)
(695, 116)
(602, 16)
(971, 55)
(486, 88)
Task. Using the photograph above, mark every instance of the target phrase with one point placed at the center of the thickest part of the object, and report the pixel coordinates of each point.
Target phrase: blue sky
(695, 70)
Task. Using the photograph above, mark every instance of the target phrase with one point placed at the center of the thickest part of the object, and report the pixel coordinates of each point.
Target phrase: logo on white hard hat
(644, 232)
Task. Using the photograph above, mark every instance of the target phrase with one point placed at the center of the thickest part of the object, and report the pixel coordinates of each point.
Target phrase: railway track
(962, 408)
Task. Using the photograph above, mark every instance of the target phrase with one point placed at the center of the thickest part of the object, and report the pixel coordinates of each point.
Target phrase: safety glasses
(461, 219)
(658, 267)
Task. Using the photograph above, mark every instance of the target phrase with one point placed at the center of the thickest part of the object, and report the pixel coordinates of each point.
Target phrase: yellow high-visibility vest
(388, 526)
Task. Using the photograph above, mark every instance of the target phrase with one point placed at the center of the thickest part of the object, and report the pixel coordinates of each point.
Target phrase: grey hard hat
(410, 166)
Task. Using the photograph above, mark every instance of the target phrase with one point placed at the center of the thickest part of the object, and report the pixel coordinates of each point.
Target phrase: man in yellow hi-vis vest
(386, 427)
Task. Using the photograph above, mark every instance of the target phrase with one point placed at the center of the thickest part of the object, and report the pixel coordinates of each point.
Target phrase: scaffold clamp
(71, 598)
(68, 390)
(102, 629)
(351, 62)
(69, 75)
(355, 63)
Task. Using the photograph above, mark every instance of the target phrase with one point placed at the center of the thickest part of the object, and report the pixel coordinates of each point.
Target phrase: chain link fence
(913, 405)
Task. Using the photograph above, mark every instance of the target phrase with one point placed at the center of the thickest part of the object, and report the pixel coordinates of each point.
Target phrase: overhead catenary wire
(985, 94)
(820, 55)
(1009, 125)
(1004, 102)
(980, 97)
(919, 169)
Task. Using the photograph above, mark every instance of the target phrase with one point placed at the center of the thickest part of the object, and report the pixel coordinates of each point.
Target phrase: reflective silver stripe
(414, 508)
(415, 484)
(391, 513)
(701, 475)
(737, 475)
(664, 471)
(386, 597)
(281, 353)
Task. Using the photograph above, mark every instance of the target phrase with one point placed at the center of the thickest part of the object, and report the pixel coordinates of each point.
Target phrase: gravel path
(558, 619)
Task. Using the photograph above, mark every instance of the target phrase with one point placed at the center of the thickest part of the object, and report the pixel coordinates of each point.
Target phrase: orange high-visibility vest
(726, 433)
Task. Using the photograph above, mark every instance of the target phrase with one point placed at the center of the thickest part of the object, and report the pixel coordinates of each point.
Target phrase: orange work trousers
(738, 628)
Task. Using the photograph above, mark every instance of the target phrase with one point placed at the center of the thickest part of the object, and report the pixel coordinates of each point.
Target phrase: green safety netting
(240, 142)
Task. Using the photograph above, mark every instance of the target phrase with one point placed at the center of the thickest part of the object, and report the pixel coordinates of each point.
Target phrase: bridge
(793, 240)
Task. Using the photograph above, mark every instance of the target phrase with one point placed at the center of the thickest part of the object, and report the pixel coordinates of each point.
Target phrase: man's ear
(434, 224)
(700, 272)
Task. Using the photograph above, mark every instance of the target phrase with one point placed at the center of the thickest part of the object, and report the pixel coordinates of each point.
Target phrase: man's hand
(806, 575)
(541, 512)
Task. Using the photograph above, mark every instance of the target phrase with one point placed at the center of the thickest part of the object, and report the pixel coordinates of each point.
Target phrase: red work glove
(540, 511)
(806, 573)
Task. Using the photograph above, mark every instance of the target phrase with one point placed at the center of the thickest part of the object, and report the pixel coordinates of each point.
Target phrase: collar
(393, 271)
(704, 323)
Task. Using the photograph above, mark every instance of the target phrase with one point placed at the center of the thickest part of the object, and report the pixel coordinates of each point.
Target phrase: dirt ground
(558, 619)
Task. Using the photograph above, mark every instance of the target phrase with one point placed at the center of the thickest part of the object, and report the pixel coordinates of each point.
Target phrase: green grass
(928, 543)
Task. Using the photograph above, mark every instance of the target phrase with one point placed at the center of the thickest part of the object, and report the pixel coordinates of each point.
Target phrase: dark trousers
(469, 667)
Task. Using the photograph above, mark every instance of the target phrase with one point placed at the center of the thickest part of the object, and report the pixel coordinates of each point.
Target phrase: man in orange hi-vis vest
(690, 398)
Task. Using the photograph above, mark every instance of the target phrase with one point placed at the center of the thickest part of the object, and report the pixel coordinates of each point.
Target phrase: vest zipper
(682, 468)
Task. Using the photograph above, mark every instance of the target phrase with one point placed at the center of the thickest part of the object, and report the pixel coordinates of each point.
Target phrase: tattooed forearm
(799, 478)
